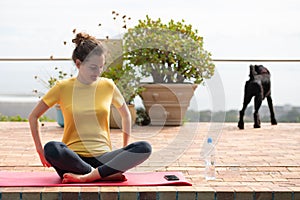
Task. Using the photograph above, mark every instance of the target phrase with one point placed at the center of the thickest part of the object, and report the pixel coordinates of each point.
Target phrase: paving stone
(283, 195)
(296, 195)
(244, 195)
(167, 195)
(128, 196)
(109, 195)
(206, 195)
(147, 195)
(51, 195)
(69, 195)
(10, 196)
(187, 195)
(225, 195)
(263, 195)
(31, 195)
(89, 195)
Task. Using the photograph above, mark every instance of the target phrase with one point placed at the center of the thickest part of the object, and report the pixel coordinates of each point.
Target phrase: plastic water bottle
(210, 171)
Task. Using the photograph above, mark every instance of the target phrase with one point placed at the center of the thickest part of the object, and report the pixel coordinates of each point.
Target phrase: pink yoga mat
(51, 179)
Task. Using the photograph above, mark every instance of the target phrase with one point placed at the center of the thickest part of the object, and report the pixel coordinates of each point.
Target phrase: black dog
(259, 86)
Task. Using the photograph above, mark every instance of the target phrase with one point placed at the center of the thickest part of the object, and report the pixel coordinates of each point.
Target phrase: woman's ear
(77, 63)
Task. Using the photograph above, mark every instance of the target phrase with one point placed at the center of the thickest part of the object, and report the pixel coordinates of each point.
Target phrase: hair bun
(81, 37)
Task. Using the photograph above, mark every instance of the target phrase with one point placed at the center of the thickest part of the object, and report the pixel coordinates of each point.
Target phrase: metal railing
(22, 80)
(215, 60)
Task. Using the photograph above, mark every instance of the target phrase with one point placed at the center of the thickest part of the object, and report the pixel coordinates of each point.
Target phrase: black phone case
(171, 177)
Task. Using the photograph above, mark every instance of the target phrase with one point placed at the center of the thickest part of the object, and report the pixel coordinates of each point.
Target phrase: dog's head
(257, 70)
(260, 69)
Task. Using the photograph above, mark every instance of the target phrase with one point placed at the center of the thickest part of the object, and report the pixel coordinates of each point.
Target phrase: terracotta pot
(115, 118)
(166, 104)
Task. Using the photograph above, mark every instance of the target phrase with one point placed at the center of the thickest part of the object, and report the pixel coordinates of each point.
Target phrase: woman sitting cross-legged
(85, 153)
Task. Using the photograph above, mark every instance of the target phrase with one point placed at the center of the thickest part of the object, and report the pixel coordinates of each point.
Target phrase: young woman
(85, 153)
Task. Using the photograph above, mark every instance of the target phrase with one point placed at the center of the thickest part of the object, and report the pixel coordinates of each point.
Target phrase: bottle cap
(209, 140)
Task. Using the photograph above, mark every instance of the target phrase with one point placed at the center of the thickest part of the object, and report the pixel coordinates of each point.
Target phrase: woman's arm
(126, 123)
(34, 116)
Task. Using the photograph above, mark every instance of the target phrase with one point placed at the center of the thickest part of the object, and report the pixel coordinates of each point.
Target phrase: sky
(232, 29)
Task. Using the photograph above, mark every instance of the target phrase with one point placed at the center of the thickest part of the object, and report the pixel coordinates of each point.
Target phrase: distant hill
(285, 113)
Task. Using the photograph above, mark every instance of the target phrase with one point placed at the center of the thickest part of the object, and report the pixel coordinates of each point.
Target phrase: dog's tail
(252, 72)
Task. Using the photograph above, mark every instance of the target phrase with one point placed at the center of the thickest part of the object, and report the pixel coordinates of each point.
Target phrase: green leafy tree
(169, 53)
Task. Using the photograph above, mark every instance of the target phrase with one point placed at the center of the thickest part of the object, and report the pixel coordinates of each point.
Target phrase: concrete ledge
(150, 195)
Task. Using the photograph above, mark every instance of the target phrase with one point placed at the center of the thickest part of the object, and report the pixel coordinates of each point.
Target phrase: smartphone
(171, 177)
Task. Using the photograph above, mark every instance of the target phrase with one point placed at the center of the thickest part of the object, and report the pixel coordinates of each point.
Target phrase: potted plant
(125, 78)
(49, 83)
(167, 54)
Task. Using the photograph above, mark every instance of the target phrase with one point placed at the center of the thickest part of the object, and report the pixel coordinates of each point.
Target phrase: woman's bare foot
(73, 178)
(90, 177)
(81, 178)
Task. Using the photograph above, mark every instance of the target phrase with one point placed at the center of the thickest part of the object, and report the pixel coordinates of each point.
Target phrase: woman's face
(90, 69)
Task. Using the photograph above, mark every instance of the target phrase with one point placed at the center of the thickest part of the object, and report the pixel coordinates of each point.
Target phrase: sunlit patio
(250, 164)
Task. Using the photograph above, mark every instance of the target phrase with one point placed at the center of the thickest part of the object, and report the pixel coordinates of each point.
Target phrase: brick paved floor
(250, 164)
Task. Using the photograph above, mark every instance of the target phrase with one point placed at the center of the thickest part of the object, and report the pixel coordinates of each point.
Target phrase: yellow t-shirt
(86, 111)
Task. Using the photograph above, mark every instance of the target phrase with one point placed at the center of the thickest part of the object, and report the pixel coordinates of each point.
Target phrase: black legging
(65, 160)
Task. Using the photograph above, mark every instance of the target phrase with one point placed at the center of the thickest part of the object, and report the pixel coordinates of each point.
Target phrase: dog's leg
(270, 104)
(247, 99)
(256, 120)
(241, 121)
(257, 104)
